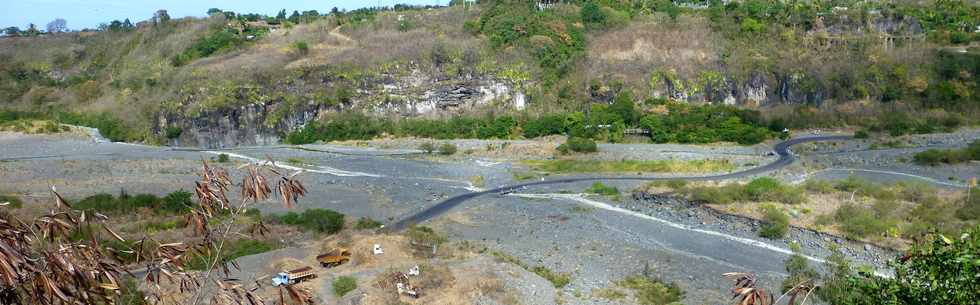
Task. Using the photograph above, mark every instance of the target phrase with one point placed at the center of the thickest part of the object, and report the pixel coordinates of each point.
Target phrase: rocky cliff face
(755, 90)
(397, 95)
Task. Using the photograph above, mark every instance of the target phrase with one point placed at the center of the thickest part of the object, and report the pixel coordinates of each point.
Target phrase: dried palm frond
(804, 288)
(745, 292)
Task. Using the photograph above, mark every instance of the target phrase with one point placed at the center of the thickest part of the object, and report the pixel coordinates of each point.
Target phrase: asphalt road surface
(782, 149)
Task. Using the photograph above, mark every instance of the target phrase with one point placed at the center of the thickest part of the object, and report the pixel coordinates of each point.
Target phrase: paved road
(786, 157)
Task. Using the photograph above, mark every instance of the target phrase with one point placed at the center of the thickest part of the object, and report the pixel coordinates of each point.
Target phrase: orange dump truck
(335, 257)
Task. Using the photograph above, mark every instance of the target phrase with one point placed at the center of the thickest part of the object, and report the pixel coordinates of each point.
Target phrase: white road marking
(321, 169)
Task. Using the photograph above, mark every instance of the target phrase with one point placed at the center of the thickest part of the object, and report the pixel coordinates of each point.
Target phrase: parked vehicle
(335, 257)
(293, 276)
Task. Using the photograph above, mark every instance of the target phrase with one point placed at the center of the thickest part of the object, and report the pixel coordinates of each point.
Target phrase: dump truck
(335, 257)
(293, 276)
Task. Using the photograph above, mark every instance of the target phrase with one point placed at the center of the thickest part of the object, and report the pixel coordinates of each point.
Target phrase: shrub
(776, 223)
(223, 158)
(860, 222)
(592, 14)
(969, 211)
(861, 134)
(344, 284)
(173, 132)
(650, 291)
(427, 147)
(365, 223)
(232, 250)
(425, 235)
(602, 189)
(819, 186)
(715, 195)
(301, 48)
(318, 220)
(557, 279)
(15, 202)
(447, 149)
(577, 144)
(770, 189)
(177, 202)
(933, 157)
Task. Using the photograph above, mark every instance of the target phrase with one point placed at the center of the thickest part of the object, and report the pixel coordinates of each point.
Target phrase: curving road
(782, 149)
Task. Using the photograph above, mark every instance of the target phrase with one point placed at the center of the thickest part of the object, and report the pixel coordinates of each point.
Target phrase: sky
(90, 13)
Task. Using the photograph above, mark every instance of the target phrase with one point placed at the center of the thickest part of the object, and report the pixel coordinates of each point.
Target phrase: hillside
(509, 69)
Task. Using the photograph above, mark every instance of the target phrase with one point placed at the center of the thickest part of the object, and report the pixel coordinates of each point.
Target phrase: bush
(301, 48)
(15, 202)
(427, 147)
(173, 132)
(651, 291)
(177, 202)
(769, 189)
(557, 279)
(934, 157)
(861, 134)
(602, 189)
(232, 250)
(969, 211)
(576, 144)
(776, 223)
(858, 222)
(223, 158)
(344, 284)
(365, 223)
(447, 149)
(425, 236)
(318, 220)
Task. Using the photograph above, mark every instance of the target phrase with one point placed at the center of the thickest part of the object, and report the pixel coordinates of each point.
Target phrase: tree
(592, 14)
(281, 15)
(213, 10)
(32, 30)
(57, 26)
(161, 17)
(127, 25)
(12, 31)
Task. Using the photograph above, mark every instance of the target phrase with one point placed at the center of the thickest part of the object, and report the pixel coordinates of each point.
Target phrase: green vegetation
(683, 123)
(759, 189)
(231, 250)
(798, 268)
(447, 149)
(317, 220)
(904, 210)
(365, 223)
(174, 203)
(564, 166)
(344, 284)
(579, 145)
(602, 189)
(686, 123)
(776, 223)
(650, 291)
(15, 202)
(223, 158)
(425, 236)
(302, 48)
(557, 279)
(938, 270)
(934, 157)
(611, 294)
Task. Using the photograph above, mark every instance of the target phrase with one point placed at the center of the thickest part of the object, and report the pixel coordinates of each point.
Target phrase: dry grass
(633, 52)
